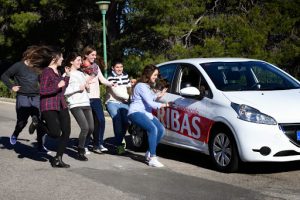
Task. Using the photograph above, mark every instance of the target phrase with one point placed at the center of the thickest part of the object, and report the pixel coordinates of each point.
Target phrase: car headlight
(250, 114)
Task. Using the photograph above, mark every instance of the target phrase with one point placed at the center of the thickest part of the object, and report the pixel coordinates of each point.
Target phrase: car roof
(208, 60)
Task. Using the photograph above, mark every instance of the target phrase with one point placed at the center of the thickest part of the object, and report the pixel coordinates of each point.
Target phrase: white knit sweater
(76, 97)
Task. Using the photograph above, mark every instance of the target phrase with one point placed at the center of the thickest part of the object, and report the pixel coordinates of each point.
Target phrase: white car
(233, 109)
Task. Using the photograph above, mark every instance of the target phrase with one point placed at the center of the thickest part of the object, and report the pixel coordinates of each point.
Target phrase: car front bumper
(259, 142)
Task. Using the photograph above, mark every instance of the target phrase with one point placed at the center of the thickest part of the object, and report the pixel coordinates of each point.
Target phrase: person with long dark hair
(143, 101)
(22, 78)
(78, 100)
(53, 105)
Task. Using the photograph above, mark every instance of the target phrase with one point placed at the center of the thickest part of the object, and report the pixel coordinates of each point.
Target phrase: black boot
(57, 162)
(81, 155)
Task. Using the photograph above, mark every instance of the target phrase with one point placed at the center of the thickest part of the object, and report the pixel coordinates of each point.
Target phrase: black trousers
(59, 126)
(27, 106)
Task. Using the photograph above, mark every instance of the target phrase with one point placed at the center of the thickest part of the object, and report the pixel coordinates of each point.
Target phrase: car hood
(282, 105)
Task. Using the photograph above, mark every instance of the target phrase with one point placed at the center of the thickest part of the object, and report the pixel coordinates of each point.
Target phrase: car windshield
(252, 75)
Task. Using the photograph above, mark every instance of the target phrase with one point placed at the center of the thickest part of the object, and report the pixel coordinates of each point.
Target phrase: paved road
(25, 174)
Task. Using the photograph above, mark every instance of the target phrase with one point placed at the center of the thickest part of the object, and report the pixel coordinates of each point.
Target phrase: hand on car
(162, 93)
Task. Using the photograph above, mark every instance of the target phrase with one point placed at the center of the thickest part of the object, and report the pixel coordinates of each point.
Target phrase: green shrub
(5, 92)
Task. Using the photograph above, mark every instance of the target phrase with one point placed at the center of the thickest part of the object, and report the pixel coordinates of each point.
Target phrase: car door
(167, 72)
(185, 121)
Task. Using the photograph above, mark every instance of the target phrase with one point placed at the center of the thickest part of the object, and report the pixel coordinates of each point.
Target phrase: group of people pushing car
(47, 94)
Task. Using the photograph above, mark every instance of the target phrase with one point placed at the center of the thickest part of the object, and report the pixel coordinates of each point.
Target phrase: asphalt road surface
(25, 174)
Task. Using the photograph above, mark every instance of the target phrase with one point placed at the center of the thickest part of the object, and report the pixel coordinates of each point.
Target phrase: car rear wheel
(138, 138)
(223, 151)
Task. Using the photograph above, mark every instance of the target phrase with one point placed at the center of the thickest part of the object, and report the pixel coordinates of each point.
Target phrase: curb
(7, 100)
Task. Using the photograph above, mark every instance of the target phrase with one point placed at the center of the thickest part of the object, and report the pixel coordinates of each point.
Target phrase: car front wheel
(223, 151)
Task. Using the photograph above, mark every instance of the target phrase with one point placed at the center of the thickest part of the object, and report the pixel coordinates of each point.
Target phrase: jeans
(154, 128)
(99, 121)
(28, 106)
(118, 113)
(84, 118)
(59, 125)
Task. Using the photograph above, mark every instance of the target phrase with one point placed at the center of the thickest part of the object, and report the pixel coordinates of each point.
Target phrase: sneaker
(87, 152)
(120, 150)
(102, 148)
(147, 156)
(43, 150)
(33, 125)
(13, 140)
(153, 162)
(97, 150)
(124, 143)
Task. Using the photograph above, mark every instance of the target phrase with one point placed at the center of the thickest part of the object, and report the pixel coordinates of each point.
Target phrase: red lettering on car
(184, 122)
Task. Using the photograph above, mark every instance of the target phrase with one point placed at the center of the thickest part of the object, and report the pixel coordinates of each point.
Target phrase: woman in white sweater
(79, 101)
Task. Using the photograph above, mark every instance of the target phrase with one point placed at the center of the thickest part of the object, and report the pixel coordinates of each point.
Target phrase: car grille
(290, 130)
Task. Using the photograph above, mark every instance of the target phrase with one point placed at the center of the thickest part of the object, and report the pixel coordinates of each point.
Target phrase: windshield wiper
(255, 85)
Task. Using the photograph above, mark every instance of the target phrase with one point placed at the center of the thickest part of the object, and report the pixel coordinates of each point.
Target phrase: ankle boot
(81, 155)
(57, 162)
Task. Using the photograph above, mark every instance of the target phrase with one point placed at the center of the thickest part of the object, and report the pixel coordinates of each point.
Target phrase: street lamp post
(103, 6)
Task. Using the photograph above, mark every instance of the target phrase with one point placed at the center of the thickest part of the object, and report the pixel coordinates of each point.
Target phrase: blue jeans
(99, 121)
(118, 113)
(154, 128)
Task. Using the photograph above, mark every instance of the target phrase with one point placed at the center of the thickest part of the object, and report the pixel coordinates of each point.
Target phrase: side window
(190, 76)
(168, 71)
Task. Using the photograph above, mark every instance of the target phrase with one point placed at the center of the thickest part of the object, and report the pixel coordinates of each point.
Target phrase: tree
(143, 32)
(240, 28)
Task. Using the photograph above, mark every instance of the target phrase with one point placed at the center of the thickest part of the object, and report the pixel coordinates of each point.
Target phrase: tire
(223, 151)
(139, 139)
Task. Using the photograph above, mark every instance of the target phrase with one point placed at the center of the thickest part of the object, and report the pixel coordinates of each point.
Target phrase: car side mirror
(189, 92)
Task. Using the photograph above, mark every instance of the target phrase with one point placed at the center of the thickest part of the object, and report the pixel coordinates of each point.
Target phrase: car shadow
(173, 153)
(204, 161)
(184, 155)
(269, 167)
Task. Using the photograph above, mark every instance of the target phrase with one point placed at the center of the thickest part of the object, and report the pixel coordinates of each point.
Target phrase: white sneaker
(147, 156)
(102, 148)
(153, 162)
(87, 152)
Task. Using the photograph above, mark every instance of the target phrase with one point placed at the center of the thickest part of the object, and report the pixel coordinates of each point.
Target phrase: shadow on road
(109, 143)
(168, 152)
(173, 153)
(23, 150)
(203, 161)
(269, 167)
